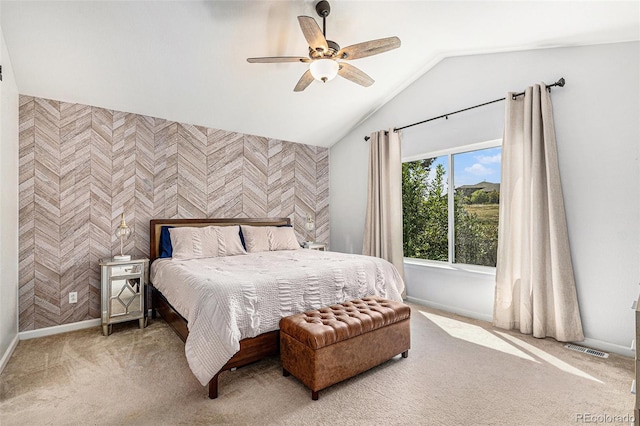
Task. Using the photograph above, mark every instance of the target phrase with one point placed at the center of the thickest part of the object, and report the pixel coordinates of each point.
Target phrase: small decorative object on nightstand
(314, 246)
(123, 232)
(123, 291)
(636, 349)
(310, 225)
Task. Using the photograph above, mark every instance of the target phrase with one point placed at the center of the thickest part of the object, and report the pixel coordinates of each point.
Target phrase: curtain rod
(559, 83)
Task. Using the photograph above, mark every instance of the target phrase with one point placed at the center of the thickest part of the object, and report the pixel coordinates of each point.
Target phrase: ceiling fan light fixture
(324, 69)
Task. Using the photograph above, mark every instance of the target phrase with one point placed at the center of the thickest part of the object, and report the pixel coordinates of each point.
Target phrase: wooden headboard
(155, 226)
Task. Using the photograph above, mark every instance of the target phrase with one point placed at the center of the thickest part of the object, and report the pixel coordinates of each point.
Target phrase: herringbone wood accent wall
(81, 167)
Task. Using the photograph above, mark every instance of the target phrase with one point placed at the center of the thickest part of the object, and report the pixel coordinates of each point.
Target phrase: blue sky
(473, 167)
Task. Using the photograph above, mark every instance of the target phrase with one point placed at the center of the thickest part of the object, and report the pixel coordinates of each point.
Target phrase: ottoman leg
(405, 354)
(314, 395)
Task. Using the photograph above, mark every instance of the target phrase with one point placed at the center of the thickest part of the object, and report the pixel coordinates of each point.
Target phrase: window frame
(450, 152)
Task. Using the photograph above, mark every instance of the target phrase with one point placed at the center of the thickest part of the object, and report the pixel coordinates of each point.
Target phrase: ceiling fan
(324, 54)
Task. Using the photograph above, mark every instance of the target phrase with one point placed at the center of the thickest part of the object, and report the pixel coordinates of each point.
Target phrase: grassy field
(487, 213)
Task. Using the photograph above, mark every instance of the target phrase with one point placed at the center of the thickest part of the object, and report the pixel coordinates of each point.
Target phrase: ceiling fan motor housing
(334, 48)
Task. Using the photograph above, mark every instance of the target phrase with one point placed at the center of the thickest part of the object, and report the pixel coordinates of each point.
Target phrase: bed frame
(251, 349)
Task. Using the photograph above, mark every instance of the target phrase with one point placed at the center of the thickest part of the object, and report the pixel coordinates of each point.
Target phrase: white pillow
(209, 241)
(269, 238)
(194, 243)
(282, 238)
(229, 243)
(255, 238)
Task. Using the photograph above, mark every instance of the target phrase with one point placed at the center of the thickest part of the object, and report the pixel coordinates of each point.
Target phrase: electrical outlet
(73, 297)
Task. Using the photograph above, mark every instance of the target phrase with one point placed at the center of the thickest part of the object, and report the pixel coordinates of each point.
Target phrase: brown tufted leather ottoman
(328, 345)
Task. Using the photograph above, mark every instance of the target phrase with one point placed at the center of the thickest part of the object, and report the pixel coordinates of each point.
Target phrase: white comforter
(226, 299)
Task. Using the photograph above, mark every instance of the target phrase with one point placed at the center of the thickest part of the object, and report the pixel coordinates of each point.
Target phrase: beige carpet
(459, 372)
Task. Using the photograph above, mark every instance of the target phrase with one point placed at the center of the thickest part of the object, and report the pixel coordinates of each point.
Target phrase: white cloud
(489, 159)
(479, 170)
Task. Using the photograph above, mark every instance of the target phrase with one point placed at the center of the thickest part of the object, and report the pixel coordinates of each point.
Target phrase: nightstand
(634, 347)
(123, 290)
(314, 246)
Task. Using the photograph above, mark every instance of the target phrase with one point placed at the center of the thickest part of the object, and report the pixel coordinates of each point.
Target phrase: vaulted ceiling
(186, 60)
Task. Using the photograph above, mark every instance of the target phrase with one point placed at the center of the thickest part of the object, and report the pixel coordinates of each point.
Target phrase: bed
(226, 309)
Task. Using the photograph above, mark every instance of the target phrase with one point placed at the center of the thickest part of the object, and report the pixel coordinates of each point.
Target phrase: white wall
(8, 207)
(598, 133)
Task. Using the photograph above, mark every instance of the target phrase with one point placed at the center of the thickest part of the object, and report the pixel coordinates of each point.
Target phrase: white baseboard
(7, 354)
(58, 329)
(587, 342)
(607, 347)
(452, 309)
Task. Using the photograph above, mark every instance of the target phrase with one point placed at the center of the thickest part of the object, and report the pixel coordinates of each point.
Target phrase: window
(453, 197)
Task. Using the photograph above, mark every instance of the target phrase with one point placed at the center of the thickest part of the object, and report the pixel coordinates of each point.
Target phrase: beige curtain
(383, 222)
(535, 286)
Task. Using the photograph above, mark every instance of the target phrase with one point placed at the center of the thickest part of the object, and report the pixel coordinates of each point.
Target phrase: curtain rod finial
(366, 138)
(561, 82)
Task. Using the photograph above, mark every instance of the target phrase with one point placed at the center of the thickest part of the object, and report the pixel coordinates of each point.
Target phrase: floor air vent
(588, 351)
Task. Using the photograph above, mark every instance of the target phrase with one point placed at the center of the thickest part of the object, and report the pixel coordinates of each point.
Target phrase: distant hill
(484, 186)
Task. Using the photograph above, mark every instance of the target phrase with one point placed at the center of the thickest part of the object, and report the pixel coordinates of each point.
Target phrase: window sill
(476, 269)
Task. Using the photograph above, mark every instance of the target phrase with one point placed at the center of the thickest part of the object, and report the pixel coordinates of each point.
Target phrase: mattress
(226, 299)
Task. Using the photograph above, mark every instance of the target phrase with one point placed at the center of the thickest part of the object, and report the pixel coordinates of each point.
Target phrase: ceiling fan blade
(313, 33)
(354, 74)
(369, 48)
(275, 59)
(304, 81)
